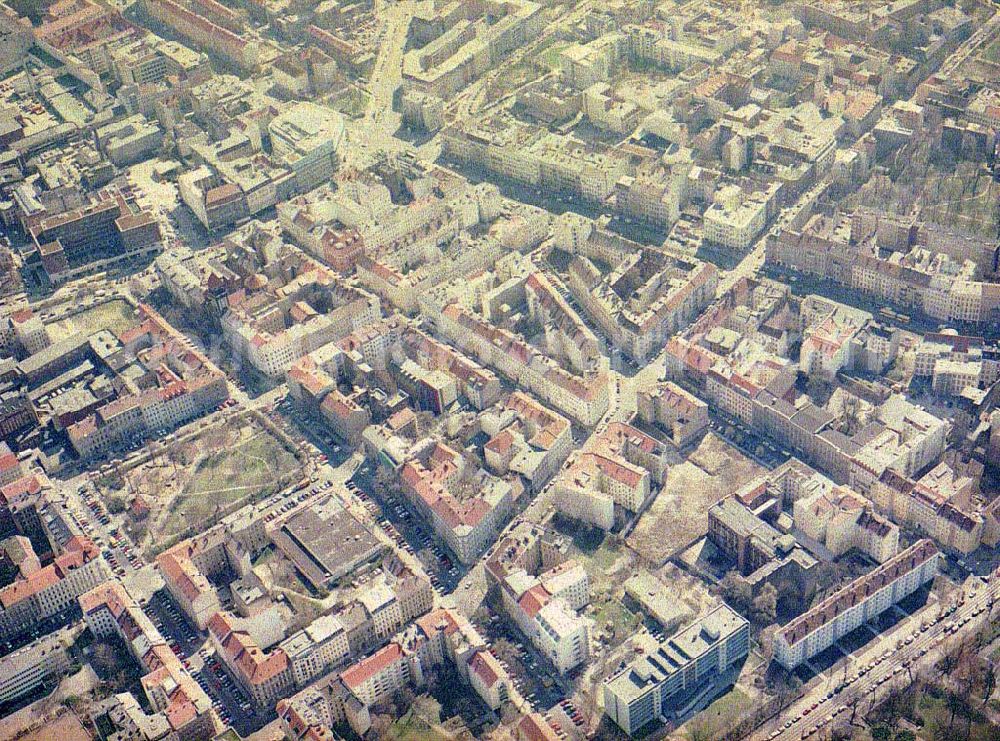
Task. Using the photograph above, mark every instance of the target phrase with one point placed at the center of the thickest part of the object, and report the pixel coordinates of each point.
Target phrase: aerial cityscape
(520, 370)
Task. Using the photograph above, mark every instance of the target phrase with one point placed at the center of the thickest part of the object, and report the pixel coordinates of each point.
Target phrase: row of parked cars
(950, 627)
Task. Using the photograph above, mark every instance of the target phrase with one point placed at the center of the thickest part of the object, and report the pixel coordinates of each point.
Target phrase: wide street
(880, 665)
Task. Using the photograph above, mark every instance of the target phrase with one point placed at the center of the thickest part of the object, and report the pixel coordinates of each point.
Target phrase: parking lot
(101, 526)
(229, 702)
(755, 446)
(532, 675)
(407, 529)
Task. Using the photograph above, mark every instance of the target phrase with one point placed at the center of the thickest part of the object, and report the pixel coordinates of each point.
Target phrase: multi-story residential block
(277, 326)
(345, 697)
(51, 589)
(466, 523)
(44, 660)
(216, 32)
(850, 251)
(265, 676)
(317, 649)
(684, 668)
(180, 387)
(612, 477)
(180, 707)
(462, 43)
(526, 438)
(859, 602)
(681, 413)
(582, 398)
(735, 220)
(567, 337)
(543, 594)
(647, 296)
(477, 384)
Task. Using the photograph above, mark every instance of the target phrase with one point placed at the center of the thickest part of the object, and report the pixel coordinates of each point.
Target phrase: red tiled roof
(858, 590)
(356, 675)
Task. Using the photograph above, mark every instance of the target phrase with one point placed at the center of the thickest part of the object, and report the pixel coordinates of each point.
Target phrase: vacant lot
(717, 718)
(679, 514)
(190, 484)
(248, 467)
(115, 316)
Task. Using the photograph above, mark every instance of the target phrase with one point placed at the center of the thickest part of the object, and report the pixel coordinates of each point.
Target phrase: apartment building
(266, 676)
(208, 31)
(181, 387)
(51, 589)
(42, 661)
(477, 384)
(735, 220)
(345, 697)
(567, 337)
(859, 602)
(848, 251)
(672, 675)
(647, 296)
(682, 414)
(842, 519)
(612, 476)
(317, 649)
(274, 328)
(939, 504)
(526, 438)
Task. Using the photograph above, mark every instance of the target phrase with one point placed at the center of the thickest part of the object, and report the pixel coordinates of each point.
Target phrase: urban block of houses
(180, 707)
(293, 316)
(647, 296)
(670, 676)
(857, 603)
(895, 267)
(543, 592)
(163, 384)
(582, 398)
(442, 636)
(612, 477)
(49, 590)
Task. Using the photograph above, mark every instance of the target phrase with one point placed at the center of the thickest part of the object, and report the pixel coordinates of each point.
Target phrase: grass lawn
(227, 478)
(612, 611)
(550, 57)
(992, 52)
(724, 711)
(414, 726)
(116, 316)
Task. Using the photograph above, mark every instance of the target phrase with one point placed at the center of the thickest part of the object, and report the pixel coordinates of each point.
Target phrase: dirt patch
(679, 514)
(67, 727)
(191, 483)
